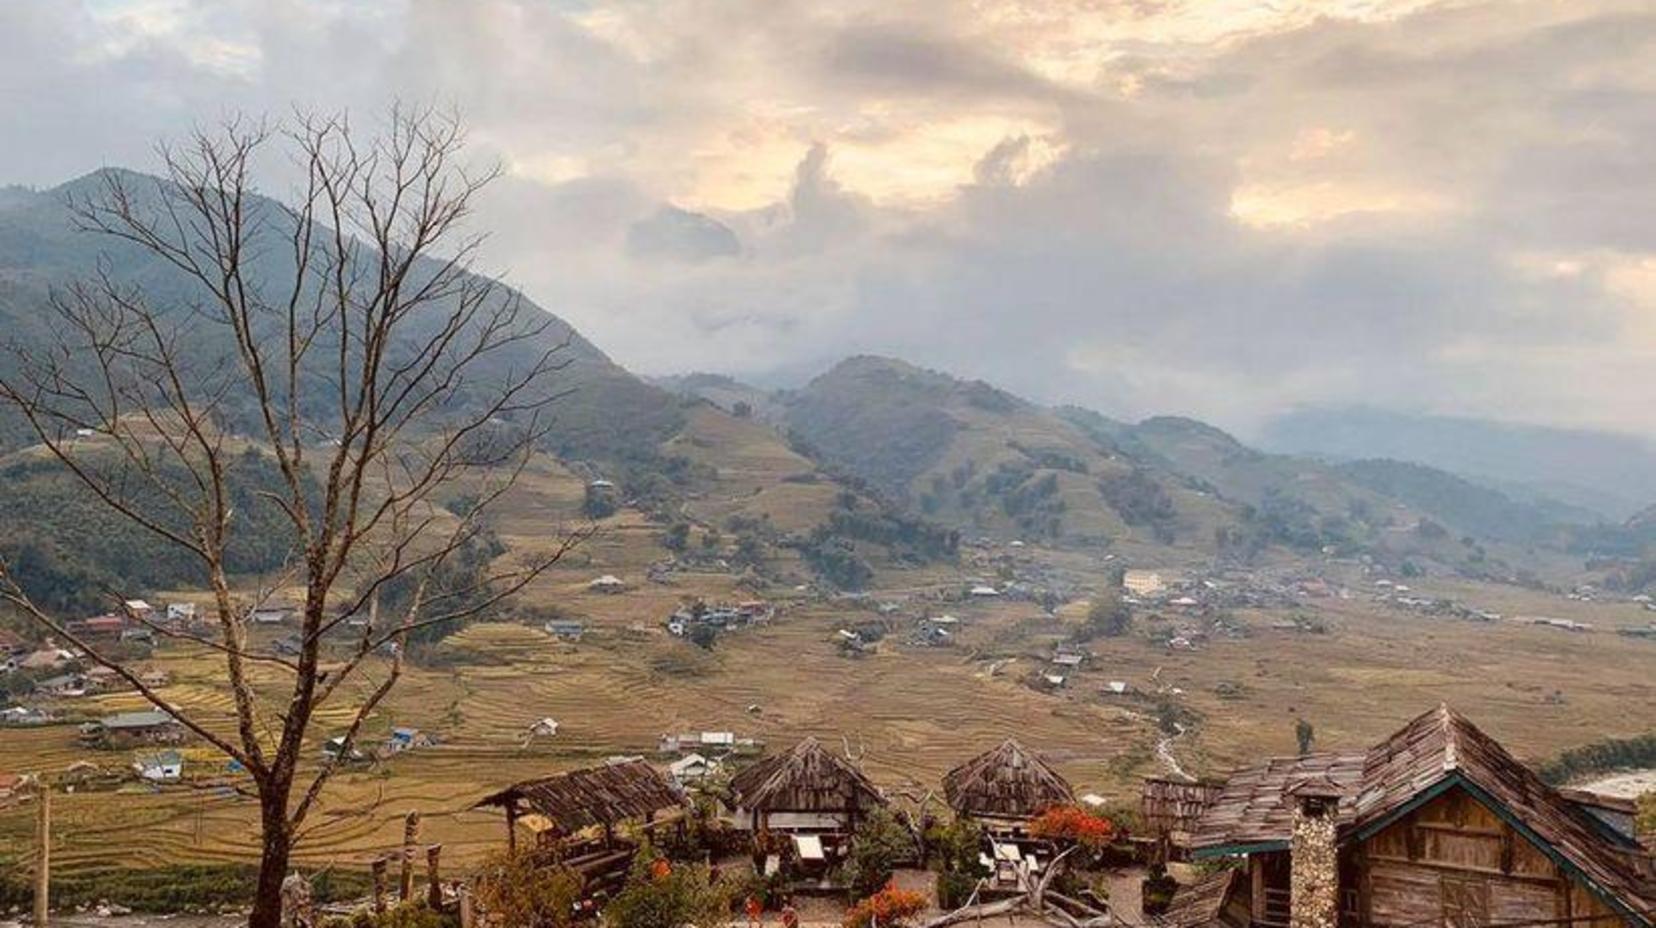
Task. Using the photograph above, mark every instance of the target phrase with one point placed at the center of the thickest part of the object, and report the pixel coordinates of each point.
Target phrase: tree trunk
(273, 860)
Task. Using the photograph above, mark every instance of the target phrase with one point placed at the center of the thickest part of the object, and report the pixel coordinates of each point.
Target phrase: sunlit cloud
(1215, 207)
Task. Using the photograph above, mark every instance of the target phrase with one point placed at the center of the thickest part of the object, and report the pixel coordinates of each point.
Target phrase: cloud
(1216, 209)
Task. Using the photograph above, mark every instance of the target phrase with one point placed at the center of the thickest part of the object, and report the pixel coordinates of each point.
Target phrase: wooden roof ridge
(1006, 780)
(805, 778)
(1434, 752)
(1441, 749)
(604, 795)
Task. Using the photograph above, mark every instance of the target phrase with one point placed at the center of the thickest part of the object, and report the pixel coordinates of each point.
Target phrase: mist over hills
(974, 456)
(1609, 474)
(968, 456)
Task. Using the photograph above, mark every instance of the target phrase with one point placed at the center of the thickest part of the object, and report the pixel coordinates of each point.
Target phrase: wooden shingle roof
(1202, 903)
(606, 795)
(1442, 748)
(1433, 753)
(805, 779)
(1252, 812)
(1174, 807)
(1008, 781)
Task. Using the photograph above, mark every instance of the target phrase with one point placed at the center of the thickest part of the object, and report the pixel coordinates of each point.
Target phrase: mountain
(1379, 493)
(681, 235)
(1610, 475)
(742, 400)
(972, 455)
(608, 413)
(1463, 505)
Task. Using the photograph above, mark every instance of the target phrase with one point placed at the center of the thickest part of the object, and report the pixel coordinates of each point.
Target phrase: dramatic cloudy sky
(1216, 207)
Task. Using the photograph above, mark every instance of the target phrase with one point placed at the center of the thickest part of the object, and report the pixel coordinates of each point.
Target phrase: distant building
(129, 729)
(108, 625)
(46, 659)
(565, 629)
(24, 715)
(1142, 582)
(690, 768)
(334, 751)
(65, 686)
(164, 767)
(545, 728)
(608, 583)
(406, 739)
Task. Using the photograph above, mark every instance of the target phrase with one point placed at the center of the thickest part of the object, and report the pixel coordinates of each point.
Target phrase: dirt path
(1164, 753)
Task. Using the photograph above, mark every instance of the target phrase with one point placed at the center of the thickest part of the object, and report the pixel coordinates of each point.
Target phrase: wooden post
(434, 893)
(43, 857)
(379, 885)
(511, 825)
(468, 915)
(411, 834)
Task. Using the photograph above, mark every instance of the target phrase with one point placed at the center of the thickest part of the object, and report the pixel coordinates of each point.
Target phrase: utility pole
(43, 856)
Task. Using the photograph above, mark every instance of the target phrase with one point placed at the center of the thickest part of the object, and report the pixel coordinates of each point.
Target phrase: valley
(930, 557)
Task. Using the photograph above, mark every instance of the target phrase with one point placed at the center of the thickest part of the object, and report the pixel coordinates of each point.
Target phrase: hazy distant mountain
(1612, 475)
(742, 400)
(608, 411)
(680, 234)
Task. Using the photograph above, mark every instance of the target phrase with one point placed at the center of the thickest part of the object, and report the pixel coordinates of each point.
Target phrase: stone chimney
(1314, 880)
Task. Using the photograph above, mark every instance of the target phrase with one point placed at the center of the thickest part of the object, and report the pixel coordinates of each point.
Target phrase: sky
(1216, 208)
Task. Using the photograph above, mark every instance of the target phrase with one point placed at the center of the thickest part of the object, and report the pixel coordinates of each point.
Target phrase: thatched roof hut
(603, 796)
(807, 779)
(1008, 782)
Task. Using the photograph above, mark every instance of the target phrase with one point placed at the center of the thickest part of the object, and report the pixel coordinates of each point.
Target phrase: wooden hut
(1171, 810)
(806, 789)
(587, 803)
(1005, 787)
(1436, 824)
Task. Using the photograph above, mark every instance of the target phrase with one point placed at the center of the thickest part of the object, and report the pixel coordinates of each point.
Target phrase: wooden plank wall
(1453, 862)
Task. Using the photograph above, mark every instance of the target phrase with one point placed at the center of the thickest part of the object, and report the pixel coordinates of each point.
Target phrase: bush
(889, 907)
(881, 843)
(406, 915)
(954, 888)
(660, 894)
(511, 887)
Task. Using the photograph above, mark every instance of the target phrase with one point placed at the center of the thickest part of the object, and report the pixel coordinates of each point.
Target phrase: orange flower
(660, 868)
(888, 907)
(1073, 823)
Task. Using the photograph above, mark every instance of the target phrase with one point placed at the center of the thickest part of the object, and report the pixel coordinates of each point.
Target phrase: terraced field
(911, 712)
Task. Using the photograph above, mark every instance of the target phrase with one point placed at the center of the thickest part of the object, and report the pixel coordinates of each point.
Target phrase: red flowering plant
(1074, 825)
(889, 908)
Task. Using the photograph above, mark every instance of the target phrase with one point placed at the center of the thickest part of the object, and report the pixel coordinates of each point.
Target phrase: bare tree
(342, 342)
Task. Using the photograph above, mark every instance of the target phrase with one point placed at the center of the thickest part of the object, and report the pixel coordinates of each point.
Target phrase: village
(749, 799)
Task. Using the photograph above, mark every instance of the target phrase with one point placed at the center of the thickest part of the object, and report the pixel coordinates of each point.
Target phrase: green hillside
(607, 412)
